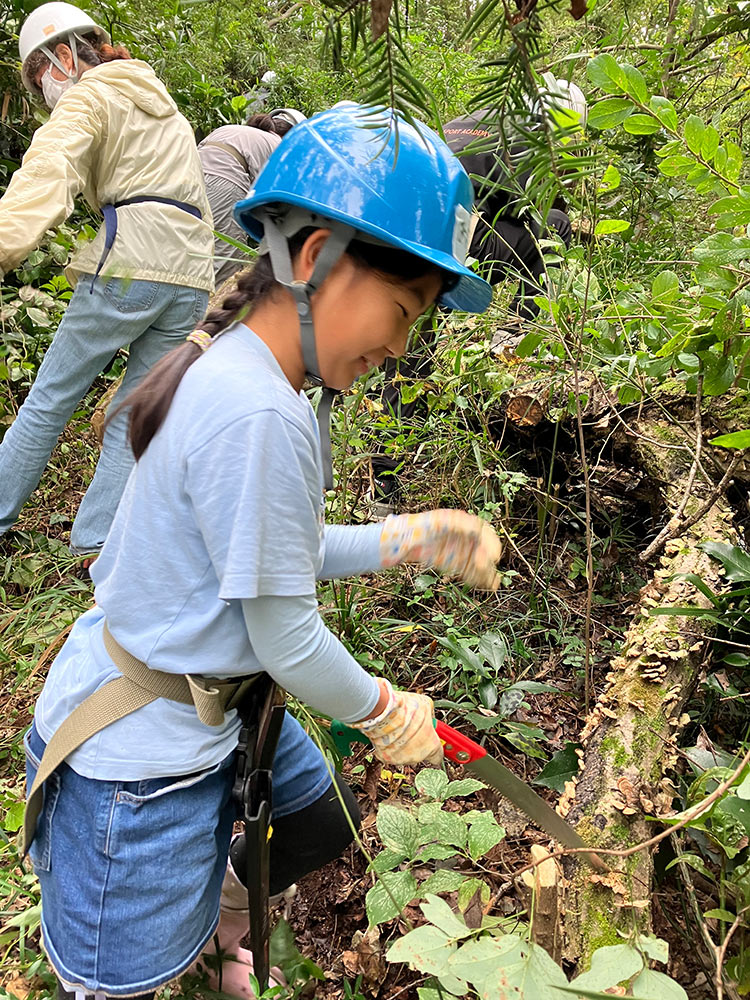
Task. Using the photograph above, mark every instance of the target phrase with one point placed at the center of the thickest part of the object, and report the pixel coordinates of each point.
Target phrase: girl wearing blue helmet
(362, 230)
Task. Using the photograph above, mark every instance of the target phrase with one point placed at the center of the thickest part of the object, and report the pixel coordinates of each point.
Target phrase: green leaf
(14, 816)
(398, 829)
(37, 316)
(389, 896)
(487, 691)
(738, 809)
(694, 130)
(386, 861)
(603, 72)
(444, 827)
(628, 394)
(426, 949)
(695, 861)
(435, 852)
(610, 112)
(737, 439)
(723, 248)
(480, 960)
(737, 659)
(561, 768)
(285, 954)
(641, 125)
(651, 985)
(605, 226)
(665, 286)
(443, 880)
(610, 179)
(734, 161)
(716, 278)
(432, 783)
(654, 948)
(635, 85)
(719, 376)
(709, 143)
(520, 969)
(529, 344)
(584, 993)
(464, 786)
(732, 210)
(493, 647)
(484, 833)
(429, 994)
(664, 111)
(466, 656)
(609, 966)
(441, 915)
(736, 563)
(719, 914)
(468, 891)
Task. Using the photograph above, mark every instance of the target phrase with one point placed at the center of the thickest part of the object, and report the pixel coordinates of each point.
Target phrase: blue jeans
(131, 871)
(150, 316)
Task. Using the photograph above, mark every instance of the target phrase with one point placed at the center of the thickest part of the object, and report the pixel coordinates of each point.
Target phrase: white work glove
(404, 732)
(454, 542)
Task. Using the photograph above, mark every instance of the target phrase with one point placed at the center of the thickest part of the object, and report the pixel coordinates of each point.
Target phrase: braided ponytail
(149, 403)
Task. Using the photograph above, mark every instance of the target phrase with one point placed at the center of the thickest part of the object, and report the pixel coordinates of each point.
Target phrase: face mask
(54, 89)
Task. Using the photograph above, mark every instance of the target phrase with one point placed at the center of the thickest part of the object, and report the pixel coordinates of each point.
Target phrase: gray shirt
(254, 145)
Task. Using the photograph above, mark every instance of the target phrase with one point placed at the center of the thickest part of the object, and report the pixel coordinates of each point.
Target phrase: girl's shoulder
(237, 381)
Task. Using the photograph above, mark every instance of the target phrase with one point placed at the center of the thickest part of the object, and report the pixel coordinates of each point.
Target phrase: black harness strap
(262, 713)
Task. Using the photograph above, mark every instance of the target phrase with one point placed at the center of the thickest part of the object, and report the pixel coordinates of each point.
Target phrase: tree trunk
(629, 738)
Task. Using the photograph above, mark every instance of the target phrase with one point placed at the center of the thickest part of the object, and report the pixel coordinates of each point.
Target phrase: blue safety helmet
(387, 179)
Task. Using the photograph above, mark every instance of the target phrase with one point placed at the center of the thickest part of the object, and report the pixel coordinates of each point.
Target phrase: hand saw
(462, 750)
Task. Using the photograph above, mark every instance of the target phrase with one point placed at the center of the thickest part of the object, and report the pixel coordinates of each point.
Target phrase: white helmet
(561, 93)
(291, 115)
(50, 23)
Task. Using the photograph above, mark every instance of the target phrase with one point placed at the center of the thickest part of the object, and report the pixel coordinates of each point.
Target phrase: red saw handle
(457, 747)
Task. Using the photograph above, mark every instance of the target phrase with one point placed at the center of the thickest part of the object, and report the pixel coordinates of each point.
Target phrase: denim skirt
(131, 871)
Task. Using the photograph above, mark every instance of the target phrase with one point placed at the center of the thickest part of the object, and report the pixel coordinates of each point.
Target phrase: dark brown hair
(149, 403)
(91, 49)
(278, 124)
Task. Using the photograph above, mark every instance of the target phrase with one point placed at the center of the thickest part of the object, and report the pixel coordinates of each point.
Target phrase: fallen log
(629, 738)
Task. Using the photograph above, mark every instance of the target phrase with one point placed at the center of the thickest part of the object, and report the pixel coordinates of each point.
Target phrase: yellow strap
(139, 686)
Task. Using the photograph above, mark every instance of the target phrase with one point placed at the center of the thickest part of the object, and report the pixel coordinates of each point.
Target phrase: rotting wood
(541, 891)
(628, 739)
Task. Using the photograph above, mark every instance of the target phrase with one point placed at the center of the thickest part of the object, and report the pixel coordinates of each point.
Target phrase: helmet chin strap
(278, 248)
(71, 43)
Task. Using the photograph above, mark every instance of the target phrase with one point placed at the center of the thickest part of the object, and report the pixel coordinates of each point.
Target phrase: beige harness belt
(232, 152)
(138, 686)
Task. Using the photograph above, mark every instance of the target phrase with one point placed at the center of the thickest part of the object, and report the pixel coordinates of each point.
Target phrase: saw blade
(493, 773)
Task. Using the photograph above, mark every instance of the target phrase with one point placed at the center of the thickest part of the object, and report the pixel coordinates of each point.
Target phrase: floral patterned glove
(404, 732)
(456, 543)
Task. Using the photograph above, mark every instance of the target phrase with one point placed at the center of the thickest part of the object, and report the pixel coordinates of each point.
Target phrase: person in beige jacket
(116, 137)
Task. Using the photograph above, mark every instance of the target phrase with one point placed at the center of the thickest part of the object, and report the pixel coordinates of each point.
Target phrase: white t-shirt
(225, 504)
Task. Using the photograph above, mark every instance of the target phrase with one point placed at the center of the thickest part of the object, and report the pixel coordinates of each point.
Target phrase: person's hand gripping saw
(455, 543)
(404, 732)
